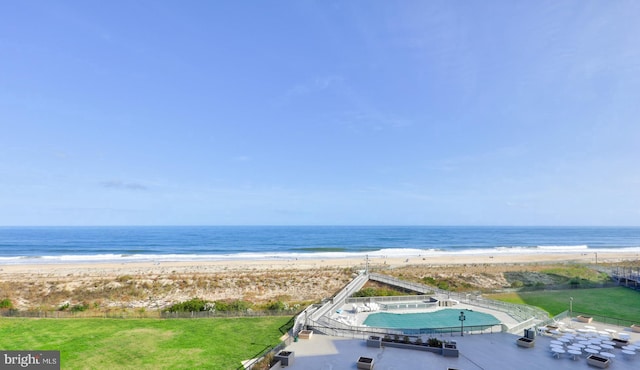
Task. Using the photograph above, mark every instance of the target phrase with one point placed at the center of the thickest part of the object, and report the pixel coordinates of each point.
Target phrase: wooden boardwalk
(627, 276)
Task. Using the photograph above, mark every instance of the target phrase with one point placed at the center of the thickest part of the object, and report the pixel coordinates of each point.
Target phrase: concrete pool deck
(481, 351)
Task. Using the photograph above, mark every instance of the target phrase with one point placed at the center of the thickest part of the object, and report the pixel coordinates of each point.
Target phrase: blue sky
(319, 112)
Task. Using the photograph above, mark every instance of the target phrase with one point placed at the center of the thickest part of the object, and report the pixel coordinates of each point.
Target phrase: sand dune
(157, 285)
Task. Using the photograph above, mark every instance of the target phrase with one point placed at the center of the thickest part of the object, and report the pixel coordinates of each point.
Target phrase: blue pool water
(429, 320)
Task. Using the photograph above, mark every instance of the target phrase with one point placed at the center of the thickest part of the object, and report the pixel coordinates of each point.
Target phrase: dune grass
(618, 302)
(217, 343)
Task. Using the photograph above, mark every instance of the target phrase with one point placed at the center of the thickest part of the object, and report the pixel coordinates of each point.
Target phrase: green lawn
(620, 303)
(217, 343)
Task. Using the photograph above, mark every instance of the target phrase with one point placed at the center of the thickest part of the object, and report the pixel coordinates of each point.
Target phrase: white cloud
(317, 84)
(120, 185)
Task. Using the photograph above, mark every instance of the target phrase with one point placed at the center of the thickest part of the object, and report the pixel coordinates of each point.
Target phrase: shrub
(232, 306)
(429, 280)
(377, 292)
(434, 342)
(276, 306)
(192, 305)
(574, 282)
(517, 284)
(79, 307)
(6, 303)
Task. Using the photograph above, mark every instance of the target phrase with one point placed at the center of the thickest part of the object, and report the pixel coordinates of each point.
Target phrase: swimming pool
(445, 318)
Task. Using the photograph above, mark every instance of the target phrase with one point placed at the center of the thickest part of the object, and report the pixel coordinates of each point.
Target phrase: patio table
(574, 353)
(557, 351)
(607, 355)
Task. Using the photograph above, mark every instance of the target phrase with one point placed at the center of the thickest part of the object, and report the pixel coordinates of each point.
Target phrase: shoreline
(214, 266)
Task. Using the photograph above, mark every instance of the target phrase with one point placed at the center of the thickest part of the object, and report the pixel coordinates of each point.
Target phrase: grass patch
(217, 343)
(618, 302)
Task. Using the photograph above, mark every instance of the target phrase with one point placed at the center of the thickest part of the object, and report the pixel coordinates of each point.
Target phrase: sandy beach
(153, 285)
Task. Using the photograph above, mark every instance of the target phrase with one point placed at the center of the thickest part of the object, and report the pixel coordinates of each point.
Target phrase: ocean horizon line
(328, 225)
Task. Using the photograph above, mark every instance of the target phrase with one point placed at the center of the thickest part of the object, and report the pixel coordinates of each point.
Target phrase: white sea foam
(563, 247)
(274, 256)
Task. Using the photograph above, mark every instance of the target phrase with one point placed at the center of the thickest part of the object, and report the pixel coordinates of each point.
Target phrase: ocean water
(21, 245)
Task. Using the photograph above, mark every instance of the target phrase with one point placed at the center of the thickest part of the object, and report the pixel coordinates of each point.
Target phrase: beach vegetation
(200, 305)
(377, 292)
(192, 305)
(236, 305)
(81, 307)
(489, 278)
(276, 306)
(6, 303)
(517, 284)
(158, 292)
(124, 278)
(578, 272)
(560, 276)
(574, 283)
(447, 283)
